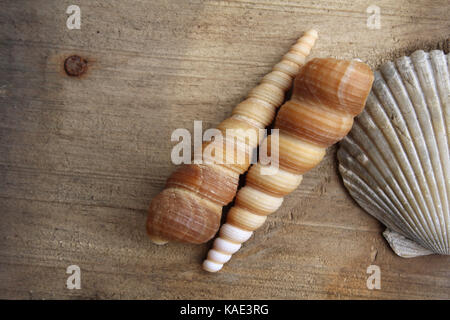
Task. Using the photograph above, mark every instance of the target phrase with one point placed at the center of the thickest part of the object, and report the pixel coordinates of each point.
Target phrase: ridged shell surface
(395, 161)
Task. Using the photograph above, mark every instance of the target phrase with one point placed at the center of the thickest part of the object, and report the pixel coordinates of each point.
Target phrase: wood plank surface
(81, 158)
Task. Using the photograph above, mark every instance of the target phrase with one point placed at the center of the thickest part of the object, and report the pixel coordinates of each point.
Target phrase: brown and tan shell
(190, 207)
(327, 95)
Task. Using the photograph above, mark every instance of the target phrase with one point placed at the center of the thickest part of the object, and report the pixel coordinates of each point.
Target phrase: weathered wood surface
(80, 159)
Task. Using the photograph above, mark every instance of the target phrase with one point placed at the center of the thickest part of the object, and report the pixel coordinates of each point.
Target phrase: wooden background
(81, 158)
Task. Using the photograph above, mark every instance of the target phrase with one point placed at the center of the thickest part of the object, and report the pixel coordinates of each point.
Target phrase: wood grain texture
(80, 159)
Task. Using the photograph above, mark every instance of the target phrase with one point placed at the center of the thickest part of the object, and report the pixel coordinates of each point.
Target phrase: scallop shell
(395, 161)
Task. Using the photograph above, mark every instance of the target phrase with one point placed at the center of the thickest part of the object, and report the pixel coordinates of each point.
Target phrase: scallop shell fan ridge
(395, 161)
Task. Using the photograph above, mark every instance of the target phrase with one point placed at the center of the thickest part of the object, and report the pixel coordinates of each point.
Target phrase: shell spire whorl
(327, 95)
(190, 206)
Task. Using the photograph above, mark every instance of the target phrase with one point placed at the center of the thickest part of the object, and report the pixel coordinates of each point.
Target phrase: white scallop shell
(395, 161)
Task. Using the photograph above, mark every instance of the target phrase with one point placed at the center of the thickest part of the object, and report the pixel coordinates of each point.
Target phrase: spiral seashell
(327, 94)
(395, 162)
(190, 207)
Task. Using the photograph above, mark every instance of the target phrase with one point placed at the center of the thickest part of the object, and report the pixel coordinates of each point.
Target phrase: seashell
(327, 94)
(190, 207)
(395, 161)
